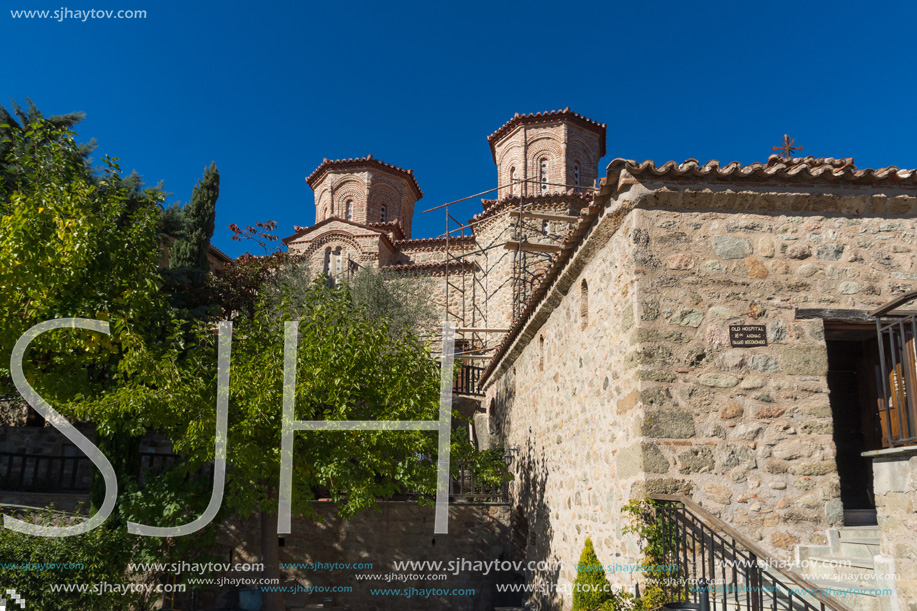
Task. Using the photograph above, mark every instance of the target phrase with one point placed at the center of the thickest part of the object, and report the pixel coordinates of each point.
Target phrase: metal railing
(466, 485)
(467, 381)
(21, 472)
(741, 575)
(897, 336)
(38, 473)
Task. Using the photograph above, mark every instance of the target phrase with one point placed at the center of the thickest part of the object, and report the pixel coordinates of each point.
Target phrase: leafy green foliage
(644, 522)
(190, 251)
(349, 368)
(103, 553)
(74, 245)
(405, 302)
(488, 466)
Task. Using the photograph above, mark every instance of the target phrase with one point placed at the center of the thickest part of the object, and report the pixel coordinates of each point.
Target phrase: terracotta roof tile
(439, 266)
(548, 117)
(381, 231)
(493, 206)
(797, 169)
(437, 241)
(362, 162)
(776, 168)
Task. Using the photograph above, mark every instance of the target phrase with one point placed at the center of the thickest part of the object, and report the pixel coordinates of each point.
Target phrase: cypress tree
(590, 588)
(191, 251)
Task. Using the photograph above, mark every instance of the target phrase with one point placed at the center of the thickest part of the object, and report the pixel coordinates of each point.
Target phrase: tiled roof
(363, 162)
(434, 242)
(802, 169)
(393, 226)
(548, 117)
(437, 266)
(493, 206)
(797, 169)
(380, 231)
(219, 254)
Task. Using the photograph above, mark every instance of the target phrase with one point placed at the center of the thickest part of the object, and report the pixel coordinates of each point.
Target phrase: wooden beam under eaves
(532, 247)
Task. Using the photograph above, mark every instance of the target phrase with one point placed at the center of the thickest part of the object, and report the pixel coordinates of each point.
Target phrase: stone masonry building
(610, 365)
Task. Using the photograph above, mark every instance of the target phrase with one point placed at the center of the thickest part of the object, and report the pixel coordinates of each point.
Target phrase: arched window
(326, 267)
(583, 304)
(543, 174)
(349, 209)
(338, 261)
(512, 181)
(382, 214)
(576, 174)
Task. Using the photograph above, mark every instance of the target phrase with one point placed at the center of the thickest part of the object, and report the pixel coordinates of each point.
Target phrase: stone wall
(895, 487)
(398, 532)
(646, 395)
(568, 401)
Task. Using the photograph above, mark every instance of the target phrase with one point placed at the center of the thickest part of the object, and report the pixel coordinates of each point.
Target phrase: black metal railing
(37, 473)
(40, 473)
(467, 381)
(898, 373)
(467, 485)
(740, 576)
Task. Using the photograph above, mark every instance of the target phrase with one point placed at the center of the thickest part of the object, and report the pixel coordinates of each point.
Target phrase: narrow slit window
(583, 304)
(541, 353)
(543, 175)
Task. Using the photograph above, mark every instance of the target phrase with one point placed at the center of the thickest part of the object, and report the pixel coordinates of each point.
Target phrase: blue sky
(268, 89)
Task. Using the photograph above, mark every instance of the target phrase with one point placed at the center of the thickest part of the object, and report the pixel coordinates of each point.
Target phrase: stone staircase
(846, 565)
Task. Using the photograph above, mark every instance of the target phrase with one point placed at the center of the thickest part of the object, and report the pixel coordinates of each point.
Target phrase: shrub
(591, 589)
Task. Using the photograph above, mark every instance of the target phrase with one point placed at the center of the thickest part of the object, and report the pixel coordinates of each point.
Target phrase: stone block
(717, 494)
(809, 360)
(891, 475)
(696, 460)
(671, 423)
(764, 363)
(718, 380)
(641, 458)
(736, 455)
(755, 268)
(728, 247)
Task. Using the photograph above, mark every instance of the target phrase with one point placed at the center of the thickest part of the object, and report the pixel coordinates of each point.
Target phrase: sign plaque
(747, 336)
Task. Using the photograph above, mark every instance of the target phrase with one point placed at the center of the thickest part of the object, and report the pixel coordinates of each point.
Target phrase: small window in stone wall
(576, 174)
(512, 181)
(541, 353)
(543, 174)
(350, 210)
(583, 304)
(382, 214)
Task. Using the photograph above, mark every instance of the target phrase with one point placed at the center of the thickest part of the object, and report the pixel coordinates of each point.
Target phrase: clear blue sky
(267, 89)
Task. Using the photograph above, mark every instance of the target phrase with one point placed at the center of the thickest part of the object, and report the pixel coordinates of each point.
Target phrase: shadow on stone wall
(533, 531)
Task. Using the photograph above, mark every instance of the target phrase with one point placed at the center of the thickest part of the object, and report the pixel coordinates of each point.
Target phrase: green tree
(190, 251)
(404, 301)
(349, 367)
(74, 245)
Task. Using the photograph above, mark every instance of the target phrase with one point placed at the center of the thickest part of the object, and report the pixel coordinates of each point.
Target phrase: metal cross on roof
(786, 151)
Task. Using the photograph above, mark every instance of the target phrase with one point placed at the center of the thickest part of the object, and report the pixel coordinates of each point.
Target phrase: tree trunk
(270, 556)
